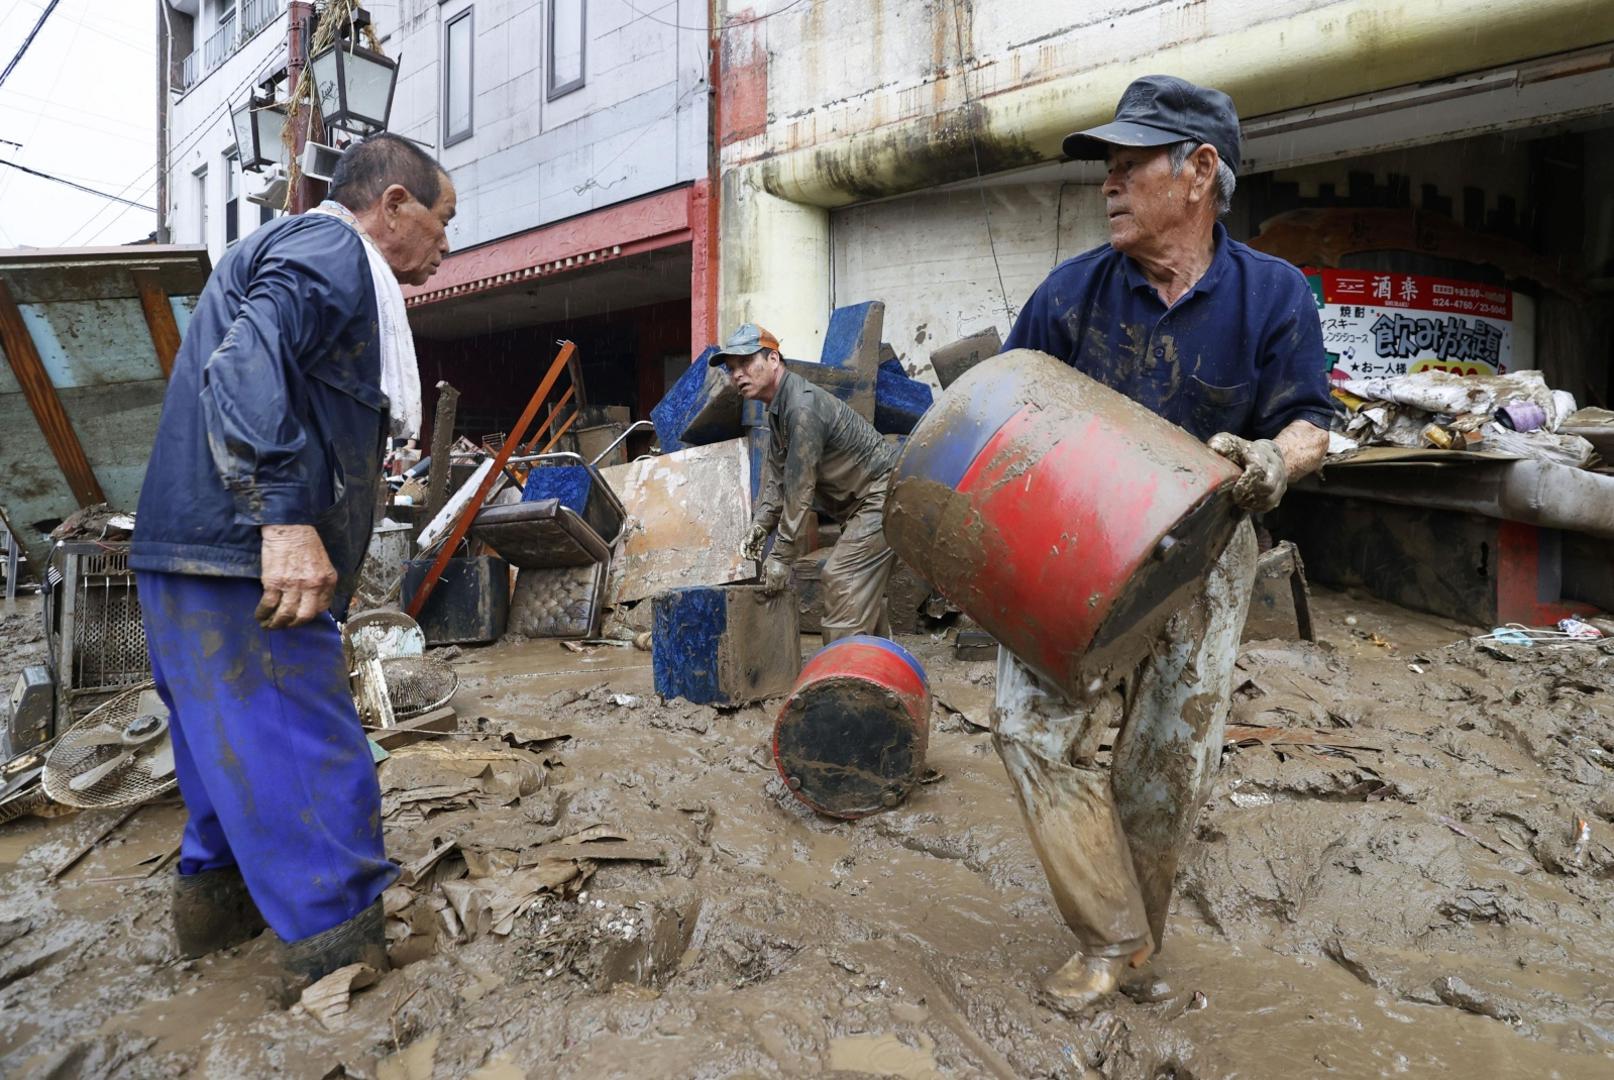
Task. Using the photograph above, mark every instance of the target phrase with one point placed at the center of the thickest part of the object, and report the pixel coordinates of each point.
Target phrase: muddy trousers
(1109, 839)
(857, 571)
(273, 766)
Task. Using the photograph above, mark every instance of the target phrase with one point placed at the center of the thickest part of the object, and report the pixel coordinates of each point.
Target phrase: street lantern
(355, 87)
(259, 124)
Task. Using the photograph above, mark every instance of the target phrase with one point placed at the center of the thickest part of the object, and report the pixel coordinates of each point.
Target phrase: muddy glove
(752, 548)
(1266, 476)
(775, 576)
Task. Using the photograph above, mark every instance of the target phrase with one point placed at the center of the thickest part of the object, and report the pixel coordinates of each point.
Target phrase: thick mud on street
(1405, 870)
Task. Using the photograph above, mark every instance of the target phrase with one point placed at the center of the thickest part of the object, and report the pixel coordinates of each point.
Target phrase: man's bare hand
(1266, 476)
(298, 578)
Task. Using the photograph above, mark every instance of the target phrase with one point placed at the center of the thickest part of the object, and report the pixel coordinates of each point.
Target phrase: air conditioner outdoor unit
(273, 192)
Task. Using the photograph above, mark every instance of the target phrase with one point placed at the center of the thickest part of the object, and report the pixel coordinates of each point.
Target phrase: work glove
(754, 542)
(1266, 476)
(775, 576)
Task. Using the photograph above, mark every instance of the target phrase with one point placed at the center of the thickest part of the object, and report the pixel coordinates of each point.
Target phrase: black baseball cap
(1157, 110)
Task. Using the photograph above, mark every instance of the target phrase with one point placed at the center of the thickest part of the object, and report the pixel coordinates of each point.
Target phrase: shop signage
(1377, 323)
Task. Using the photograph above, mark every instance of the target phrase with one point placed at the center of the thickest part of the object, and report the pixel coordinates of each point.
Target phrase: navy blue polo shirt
(1242, 351)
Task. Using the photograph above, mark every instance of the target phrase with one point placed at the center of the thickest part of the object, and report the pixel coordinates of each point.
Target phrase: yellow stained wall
(779, 184)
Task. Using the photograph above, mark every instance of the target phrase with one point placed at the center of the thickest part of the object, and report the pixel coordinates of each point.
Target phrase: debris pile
(1515, 415)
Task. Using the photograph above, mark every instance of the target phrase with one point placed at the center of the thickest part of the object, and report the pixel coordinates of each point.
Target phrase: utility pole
(300, 28)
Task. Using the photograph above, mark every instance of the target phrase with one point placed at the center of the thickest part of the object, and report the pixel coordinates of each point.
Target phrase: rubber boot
(1083, 981)
(212, 911)
(362, 939)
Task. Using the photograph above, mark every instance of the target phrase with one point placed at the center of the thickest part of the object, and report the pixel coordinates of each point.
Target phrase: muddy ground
(1395, 884)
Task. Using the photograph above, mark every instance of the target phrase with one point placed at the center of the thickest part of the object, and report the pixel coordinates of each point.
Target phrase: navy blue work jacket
(1242, 351)
(274, 414)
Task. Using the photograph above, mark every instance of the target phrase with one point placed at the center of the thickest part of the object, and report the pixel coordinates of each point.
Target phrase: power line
(29, 40)
(80, 187)
(725, 28)
(203, 129)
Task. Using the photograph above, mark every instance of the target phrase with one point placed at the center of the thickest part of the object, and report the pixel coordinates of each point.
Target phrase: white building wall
(638, 124)
(200, 134)
(929, 258)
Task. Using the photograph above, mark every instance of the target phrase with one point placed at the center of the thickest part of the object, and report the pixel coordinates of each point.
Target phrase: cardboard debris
(432, 777)
(329, 998)
(491, 905)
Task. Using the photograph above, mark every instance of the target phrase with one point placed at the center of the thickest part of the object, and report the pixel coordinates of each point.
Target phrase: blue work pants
(272, 763)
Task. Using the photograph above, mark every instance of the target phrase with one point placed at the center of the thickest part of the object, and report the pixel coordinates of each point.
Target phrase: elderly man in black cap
(1225, 342)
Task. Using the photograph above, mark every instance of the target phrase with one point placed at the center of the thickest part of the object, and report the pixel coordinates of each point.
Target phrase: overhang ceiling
(630, 282)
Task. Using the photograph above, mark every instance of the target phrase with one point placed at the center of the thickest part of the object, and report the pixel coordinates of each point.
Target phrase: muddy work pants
(273, 766)
(1109, 838)
(857, 571)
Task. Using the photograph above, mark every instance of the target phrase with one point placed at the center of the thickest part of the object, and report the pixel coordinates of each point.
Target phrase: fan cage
(122, 787)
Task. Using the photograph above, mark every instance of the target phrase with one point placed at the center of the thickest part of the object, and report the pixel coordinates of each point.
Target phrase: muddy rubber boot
(362, 939)
(212, 911)
(1082, 981)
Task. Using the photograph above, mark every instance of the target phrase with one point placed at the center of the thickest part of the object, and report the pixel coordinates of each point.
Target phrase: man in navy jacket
(253, 518)
(1225, 342)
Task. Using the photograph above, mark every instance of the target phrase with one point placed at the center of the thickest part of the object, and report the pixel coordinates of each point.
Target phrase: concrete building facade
(909, 151)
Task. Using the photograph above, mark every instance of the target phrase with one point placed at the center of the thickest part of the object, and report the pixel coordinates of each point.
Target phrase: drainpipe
(165, 69)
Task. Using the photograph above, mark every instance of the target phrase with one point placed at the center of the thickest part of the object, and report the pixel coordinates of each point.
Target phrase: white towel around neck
(400, 371)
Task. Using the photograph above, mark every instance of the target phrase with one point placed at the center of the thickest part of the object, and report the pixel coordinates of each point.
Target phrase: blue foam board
(686, 631)
(899, 401)
(701, 407)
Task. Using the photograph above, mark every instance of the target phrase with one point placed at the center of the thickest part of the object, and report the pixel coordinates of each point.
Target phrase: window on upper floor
(458, 85)
(232, 199)
(201, 204)
(567, 29)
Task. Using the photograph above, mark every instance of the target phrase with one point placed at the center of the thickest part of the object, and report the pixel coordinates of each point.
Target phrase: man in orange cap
(823, 453)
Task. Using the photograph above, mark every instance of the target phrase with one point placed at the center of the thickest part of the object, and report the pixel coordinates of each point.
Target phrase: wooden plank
(554, 411)
(42, 399)
(159, 318)
(448, 400)
(575, 369)
(468, 514)
(570, 420)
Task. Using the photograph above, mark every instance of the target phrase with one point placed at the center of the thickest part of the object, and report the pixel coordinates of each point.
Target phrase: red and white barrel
(1063, 517)
(851, 738)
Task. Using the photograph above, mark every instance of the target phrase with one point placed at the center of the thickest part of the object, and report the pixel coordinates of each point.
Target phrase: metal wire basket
(418, 684)
(120, 754)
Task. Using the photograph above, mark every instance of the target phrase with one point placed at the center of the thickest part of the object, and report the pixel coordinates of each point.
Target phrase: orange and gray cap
(748, 339)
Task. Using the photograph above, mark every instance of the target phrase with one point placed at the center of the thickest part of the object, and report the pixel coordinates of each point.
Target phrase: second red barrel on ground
(851, 738)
